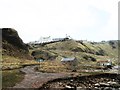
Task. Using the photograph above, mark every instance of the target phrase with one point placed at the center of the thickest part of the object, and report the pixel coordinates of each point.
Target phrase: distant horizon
(64, 37)
(92, 20)
(73, 39)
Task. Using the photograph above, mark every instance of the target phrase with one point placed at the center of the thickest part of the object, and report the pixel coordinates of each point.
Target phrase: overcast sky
(93, 20)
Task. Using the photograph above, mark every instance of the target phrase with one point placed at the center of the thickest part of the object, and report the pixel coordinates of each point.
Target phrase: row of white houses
(48, 39)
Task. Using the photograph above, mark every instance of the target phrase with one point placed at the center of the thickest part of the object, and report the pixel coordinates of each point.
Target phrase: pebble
(104, 84)
(91, 84)
(79, 88)
(97, 84)
(71, 80)
(112, 83)
(68, 86)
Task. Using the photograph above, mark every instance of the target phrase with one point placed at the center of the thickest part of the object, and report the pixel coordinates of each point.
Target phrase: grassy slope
(10, 77)
(9, 62)
(66, 45)
(66, 49)
(107, 48)
(111, 53)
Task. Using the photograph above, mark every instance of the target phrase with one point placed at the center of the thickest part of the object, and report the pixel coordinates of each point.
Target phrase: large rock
(12, 37)
(13, 45)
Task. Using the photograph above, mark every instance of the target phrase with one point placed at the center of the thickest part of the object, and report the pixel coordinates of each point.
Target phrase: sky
(92, 20)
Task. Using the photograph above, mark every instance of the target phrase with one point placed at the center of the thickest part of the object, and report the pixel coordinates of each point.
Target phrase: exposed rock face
(12, 37)
(13, 45)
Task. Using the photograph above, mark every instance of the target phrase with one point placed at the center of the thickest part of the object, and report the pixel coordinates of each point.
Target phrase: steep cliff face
(13, 45)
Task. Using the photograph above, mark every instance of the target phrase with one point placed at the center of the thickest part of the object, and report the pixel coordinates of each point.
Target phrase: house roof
(103, 61)
(68, 59)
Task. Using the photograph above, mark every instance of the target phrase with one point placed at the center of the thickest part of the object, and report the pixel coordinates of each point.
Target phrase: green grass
(91, 73)
(9, 63)
(11, 77)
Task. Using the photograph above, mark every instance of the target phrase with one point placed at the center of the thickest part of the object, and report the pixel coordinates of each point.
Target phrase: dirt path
(35, 79)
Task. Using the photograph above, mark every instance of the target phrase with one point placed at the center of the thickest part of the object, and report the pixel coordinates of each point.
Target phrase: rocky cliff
(12, 44)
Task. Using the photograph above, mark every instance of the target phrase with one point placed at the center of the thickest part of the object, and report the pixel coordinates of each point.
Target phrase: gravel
(92, 82)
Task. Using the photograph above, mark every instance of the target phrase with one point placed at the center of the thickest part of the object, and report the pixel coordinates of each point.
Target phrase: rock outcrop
(12, 44)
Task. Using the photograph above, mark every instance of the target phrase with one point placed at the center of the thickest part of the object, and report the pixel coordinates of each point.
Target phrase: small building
(68, 59)
(105, 63)
(70, 62)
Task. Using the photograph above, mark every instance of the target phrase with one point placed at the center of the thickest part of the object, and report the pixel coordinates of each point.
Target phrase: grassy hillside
(74, 48)
(87, 53)
(10, 77)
